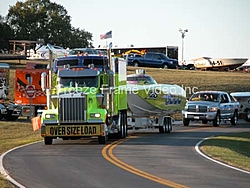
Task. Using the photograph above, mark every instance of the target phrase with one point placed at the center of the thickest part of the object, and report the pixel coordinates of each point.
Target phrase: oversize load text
(72, 130)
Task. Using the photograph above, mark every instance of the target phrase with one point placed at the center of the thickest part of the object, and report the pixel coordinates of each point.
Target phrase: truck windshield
(141, 79)
(79, 82)
(205, 97)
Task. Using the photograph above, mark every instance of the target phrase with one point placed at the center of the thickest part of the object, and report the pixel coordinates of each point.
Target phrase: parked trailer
(8, 110)
(27, 79)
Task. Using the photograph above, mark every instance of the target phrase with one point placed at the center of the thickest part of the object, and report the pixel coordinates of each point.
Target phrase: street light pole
(182, 45)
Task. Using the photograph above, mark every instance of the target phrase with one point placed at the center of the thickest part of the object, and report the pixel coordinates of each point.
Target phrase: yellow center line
(111, 158)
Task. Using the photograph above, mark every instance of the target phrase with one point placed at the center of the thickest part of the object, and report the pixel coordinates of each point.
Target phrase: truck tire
(216, 121)
(102, 139)
(234, 119)
(48, 140)
(185, 122)
(122, 133)
(165, 66)
(136, 64)
(247, 117)
(204, 121)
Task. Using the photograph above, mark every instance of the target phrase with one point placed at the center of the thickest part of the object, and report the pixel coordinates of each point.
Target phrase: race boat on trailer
(147, 97)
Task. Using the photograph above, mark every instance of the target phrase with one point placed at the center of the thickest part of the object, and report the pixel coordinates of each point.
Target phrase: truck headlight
(212, 109)
(95, 115)
(50, 116)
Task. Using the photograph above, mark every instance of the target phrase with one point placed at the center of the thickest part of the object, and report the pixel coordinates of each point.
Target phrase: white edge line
(209, 158)
(5, 173)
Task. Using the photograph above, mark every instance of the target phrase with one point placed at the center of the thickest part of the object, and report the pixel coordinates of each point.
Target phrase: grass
(20, 132)
(233, 149)
(15, 134)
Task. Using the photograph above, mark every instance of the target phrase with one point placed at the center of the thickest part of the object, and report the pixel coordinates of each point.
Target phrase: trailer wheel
(161, 130)
(102, 139)
(48, 140)
(169, 125)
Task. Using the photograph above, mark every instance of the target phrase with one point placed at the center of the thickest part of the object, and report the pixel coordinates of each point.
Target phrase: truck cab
(86, 98)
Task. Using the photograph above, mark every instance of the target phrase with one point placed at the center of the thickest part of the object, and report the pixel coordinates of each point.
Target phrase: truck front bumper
(199, 116)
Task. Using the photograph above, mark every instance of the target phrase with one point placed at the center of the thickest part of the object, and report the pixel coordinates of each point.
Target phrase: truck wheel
(204, 121)
(216, 121)
(48, 140)
(234, 119)
(122, 133)
(136, 64)
(247, 118)
(102, 139)
(165, 66)
(185, 121)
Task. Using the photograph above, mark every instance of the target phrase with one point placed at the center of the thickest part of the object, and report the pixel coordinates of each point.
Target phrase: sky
(216, 28)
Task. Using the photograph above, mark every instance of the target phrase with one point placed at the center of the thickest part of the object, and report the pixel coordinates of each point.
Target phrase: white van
(244, 100)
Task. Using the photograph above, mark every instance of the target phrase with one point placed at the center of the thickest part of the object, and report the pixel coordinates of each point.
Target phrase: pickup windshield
(214, 97)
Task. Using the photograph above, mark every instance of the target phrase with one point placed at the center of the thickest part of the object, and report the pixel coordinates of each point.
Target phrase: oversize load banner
(76, 130)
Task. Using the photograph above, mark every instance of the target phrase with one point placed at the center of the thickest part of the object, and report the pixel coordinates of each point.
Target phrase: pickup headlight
(50, 116)
(186, 107)
(212, 109)
(171, 62)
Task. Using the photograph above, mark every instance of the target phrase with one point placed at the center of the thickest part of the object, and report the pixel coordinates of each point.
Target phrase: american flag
(106, 35)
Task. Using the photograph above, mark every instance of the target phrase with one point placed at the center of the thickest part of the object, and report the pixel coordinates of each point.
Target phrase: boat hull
(158, 99)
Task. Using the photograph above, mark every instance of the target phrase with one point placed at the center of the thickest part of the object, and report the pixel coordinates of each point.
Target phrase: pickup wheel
(204, 121)
(185, 121)
(216, 121)
(136, 64)
(247, 117)
(234, 119)
(165, 66)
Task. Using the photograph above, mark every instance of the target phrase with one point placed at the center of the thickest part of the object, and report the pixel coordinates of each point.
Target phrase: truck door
(147, 60)
(156, 60)
(225, 105)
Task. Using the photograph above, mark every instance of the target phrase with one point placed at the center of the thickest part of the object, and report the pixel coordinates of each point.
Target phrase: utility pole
(182, 45)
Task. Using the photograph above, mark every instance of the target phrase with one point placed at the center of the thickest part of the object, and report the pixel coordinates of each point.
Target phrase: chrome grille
(196, 108)
(72, 110)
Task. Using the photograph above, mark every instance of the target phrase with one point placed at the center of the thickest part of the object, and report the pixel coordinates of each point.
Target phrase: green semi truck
(86, 97)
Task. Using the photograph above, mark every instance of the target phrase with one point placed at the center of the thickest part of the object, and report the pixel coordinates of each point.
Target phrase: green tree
(6, 34)
(42, 19)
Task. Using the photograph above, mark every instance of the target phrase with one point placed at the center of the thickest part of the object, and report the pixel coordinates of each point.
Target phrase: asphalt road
(147, 159)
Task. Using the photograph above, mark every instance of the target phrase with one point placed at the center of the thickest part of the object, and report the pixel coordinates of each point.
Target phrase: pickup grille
(73, 110)
(195, 108)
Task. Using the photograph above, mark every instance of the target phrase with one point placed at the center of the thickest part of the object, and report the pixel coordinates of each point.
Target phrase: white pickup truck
(212, 106)
(244, 100)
